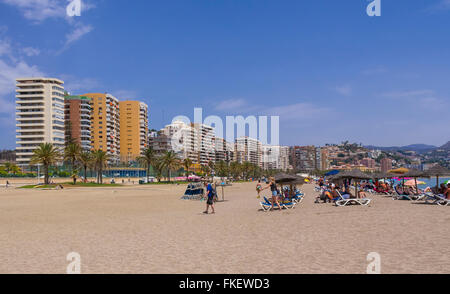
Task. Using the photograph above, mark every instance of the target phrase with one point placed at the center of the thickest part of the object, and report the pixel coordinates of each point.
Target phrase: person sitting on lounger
(447, 192)
(362, 195)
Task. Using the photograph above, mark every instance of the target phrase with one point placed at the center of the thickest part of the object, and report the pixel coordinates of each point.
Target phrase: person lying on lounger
(447, 192)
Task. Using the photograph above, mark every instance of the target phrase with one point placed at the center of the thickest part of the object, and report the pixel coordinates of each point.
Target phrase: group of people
(278, 196)
(330, 192)
(441, 190)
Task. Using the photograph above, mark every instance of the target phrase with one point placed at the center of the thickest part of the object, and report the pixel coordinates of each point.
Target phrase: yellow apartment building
(105, 124)
(133, 129)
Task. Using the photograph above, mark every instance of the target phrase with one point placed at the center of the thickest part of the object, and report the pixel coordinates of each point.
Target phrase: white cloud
(30, 51)
(5, 47)
(231, 104)
(77, 34)
(76, 85)
(39, 10)
(8, 75)
(441, 5)
(375, 70)
(125, 94)
(408, 94)
(345, 90)
(299, 111)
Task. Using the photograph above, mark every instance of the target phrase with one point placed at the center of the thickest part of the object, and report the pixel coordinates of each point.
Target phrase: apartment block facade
(133, 129)
(39, 115)
(306, 158)
(78, 111)
(248, 150)
(105, 124)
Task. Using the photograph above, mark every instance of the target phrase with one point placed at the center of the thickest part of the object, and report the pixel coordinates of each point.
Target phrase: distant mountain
(413, 147)
(445, 146)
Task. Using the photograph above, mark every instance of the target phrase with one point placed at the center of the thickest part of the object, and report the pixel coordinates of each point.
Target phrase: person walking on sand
(273, 188)
(258, 189)
(210, 201)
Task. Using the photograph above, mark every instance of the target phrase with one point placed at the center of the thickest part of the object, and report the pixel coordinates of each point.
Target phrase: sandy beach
(148, 229)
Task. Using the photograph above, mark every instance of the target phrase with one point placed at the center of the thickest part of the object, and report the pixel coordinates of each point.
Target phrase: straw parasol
(437, 171)
(355, 174)
(285, 178)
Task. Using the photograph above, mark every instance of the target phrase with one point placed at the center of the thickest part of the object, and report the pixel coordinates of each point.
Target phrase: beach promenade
(148, 229)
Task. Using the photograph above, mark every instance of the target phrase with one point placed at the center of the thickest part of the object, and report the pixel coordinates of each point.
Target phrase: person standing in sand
(273, 188)
(210, 198)
(258, 189)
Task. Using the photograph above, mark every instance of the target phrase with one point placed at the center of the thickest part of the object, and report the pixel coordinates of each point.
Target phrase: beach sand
(148, 229)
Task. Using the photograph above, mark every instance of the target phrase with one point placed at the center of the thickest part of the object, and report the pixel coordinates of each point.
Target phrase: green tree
(146, 160)
(187, 163)
(100, 161)
(85, 159)
(159, 166)
(171, 162)
(71, 154)
(47, 155)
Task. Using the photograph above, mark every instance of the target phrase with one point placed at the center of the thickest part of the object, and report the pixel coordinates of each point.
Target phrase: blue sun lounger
(266, 205)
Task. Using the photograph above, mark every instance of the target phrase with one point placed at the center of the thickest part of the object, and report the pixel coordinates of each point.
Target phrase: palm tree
(100, 160)
(47, 155)
(71, 154)
(171, 162)
(85, 159)
(147, 159)
(187, 165)
(158, 166)
(8, 167)
(222, 169)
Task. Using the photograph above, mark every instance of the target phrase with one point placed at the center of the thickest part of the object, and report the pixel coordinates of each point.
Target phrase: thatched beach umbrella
(352, 174)
(437, 171)
(285, 178)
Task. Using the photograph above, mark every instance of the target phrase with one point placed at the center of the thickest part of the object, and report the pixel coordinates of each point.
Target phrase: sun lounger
(438, 199)
(266, 205)
(341, 201)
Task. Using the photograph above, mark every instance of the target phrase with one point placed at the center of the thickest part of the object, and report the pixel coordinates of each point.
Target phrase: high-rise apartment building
(368, 162)
(224, 150)
(133, 129)
(205, 136)
(39, 115)
(105, 130)
(78, 111)
(248, 150)
(306, 158)
(386, 164)
(181, 138)
(275, 157)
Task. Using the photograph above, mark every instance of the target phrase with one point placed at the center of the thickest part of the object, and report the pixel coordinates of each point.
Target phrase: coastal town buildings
(39, 115)
(386, 164)
(133, 129)
(105, 131)
(77, 115)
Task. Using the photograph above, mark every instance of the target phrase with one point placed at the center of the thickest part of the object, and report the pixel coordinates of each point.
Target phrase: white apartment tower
(39, 115)
(248, 150)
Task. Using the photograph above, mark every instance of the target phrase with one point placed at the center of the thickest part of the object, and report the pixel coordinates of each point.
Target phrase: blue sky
(331, 72)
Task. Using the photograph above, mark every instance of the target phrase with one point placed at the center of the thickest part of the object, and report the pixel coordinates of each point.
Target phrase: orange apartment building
(133, 129)
(105, 124)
